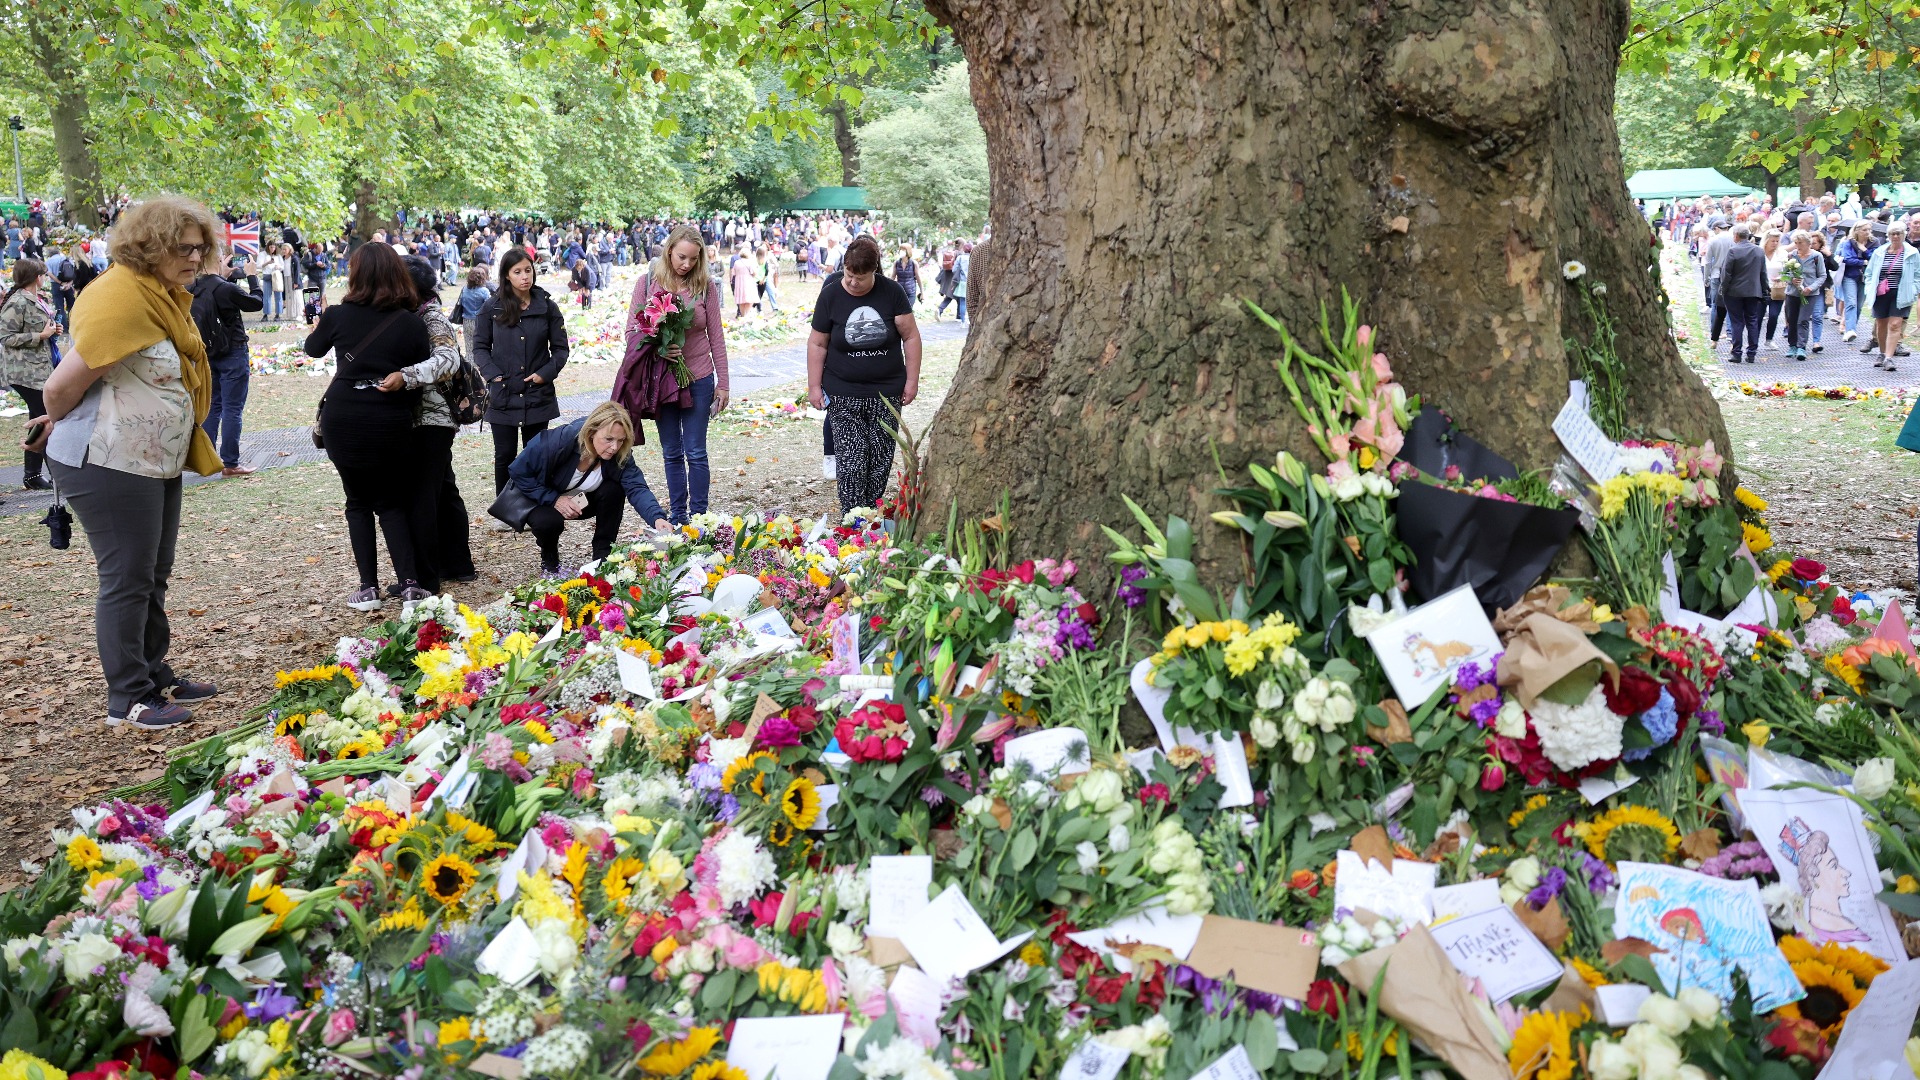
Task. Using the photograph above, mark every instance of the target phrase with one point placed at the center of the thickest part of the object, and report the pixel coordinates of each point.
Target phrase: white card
(512, 957)
(189, 812)
(1467, 898)
(1094, 1060)
(1596, 789)
(1819, 844)
(786, 1047)
(1154, 700)
(1230, 768)
(1051, 752)
(1153, 926)
(829, 796)
(1423, 648)
(896, 892)
(949, 939)
(1496, 949)
(1232, 1065)
(1584, 440)
(448, 790)
(529, 857)
(735, 595)
(1402, 894)
(1620, 1002)
(916, 1001)
(553, 632)
(636, 675)
(1873, 1044)
(768, 622)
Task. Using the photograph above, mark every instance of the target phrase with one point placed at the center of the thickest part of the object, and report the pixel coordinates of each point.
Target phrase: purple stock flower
(1127, 588)
(1711, 723)
(1551, 882)
(149, 886)
(1599, 878)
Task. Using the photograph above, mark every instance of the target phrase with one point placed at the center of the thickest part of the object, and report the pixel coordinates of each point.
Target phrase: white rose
(1608, 1060)
(1348, 488)
(1691, 1072)
(79, 958)
(1700, 1004)
(554, 948)
(976, 806)
(1303, 751)
(1271, 695)
(1667, 1014)
(1873, 779)
(1119, 839)
(1266, 733)
(844, 940)
(1088, 856)
(1524, 873)
(1511, 721)
(1655, 1050)
(1101, 790)
(21, 946)
(1339, 708)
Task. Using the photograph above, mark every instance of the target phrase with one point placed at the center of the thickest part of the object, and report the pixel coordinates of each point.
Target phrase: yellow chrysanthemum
(1749, 500)
(1906, 885)
(1197, 635)
(676, 1056)
(83, 853)
(749, 763)
(1644, 829)
(1032, 955)
(1175, 640)
(1830, 995)
(20, 1065)
(800, 803)
(447, 879)
(1543, 1046)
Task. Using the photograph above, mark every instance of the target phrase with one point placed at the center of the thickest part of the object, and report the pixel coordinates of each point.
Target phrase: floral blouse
(137, 419)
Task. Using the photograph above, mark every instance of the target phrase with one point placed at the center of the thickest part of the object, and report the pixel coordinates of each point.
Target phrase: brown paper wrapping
(1541, 652)
(1424, 992)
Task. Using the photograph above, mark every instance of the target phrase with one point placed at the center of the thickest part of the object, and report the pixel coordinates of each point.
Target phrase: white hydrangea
(560, 1051)
(1574, 737)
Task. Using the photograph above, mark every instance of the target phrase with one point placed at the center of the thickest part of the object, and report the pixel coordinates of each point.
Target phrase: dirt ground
(259, 586)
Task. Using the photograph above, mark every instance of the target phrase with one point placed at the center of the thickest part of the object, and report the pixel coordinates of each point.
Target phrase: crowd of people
(154, 382)
(1792, 270)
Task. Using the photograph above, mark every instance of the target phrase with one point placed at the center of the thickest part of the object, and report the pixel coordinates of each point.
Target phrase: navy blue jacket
(544, 468)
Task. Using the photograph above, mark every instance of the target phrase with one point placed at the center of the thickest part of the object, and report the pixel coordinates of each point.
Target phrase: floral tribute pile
(839, 801)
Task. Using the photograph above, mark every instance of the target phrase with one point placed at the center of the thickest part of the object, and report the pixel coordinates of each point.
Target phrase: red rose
(1323, 997)
(1493, 777)
(1634, 692)
(1686, 696)
(1843, 611)
(1088, 614)
(1808, 569)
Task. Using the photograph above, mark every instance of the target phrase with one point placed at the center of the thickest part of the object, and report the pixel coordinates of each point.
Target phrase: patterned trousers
(863, 448)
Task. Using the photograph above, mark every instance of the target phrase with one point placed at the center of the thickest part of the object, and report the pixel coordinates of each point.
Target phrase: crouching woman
(583, 470)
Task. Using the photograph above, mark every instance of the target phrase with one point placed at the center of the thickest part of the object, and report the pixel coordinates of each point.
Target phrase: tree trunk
(1154, 166)
(1812, 186)
(366, 211)
(57, 57)
(849, 146)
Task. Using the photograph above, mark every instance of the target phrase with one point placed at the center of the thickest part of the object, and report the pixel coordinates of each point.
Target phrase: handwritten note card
(786, 1047)
(896, 892)
(1494, 948)
(512, 957)
(949, 939)
(1584, 440)
(1093, 1060)
(1403, 894)
(1873, 1044)
(1232, 1065)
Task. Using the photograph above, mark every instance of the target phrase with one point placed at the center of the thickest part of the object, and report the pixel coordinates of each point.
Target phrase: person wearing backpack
(436, 515)
(218, 305)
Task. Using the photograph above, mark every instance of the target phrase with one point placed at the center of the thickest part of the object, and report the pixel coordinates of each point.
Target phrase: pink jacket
(706, 347)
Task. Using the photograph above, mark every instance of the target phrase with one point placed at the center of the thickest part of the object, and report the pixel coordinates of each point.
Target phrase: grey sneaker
(413, 594)
(367, 599)
(154, 714)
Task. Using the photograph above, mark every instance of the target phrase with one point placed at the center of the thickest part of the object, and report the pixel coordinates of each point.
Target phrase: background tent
(832, 198)
(1681, 184)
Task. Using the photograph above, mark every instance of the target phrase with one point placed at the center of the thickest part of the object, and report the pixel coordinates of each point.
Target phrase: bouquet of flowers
(663, 323)
(648, 379)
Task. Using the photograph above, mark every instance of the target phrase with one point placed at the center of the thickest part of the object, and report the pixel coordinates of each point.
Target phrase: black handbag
(514, 507)
(320, 409)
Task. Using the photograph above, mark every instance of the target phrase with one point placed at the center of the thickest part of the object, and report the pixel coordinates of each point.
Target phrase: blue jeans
(230, 372)
(683, 442)
(271, 297)
(1850, 294)
(1818, 302)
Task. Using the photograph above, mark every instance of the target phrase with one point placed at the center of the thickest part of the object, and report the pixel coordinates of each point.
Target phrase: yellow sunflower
(359, 748)
(781, 834)
(470, 830)
(718, 1070)
(1543, 1045)
(617, 884)
(1757, 537)
(1864, 967)
(800, 803)
(1831, 995)
(750, 763)
(1630, 832)
(1749, 500)
(1534, 802)
(291, 725)
(1589, 974)
(409, 918)
(677, 1056)
(457, 1030)
(447, 879)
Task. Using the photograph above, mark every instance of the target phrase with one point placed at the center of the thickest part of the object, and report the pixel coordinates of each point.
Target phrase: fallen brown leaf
(1615, 951)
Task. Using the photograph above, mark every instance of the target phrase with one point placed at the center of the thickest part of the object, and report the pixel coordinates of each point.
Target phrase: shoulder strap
(377, 331)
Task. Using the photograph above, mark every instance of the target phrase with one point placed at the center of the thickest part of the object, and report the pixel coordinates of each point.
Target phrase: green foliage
(927, 162)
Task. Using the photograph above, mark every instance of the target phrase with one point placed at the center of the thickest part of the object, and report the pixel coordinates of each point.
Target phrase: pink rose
(340, 1027)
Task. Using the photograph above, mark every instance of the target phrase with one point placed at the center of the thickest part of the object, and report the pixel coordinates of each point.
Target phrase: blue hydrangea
(1662, 721)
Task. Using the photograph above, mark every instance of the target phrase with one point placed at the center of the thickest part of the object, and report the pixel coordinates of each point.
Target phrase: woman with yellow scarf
(125, 411)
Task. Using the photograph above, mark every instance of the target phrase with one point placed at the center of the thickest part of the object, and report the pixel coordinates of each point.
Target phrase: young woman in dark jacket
(585, 469)
(519, 345)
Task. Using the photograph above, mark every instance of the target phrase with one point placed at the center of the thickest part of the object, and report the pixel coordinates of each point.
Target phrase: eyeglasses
(188, 251)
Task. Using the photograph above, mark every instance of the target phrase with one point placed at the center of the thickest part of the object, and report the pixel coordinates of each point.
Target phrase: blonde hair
(145, 235)
(603, 414)
(696, 282)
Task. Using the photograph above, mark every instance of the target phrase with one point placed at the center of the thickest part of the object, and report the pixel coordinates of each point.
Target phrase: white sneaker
(1848, 336)
(829, 468)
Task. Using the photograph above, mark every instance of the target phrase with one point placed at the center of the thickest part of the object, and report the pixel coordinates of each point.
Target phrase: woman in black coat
(519, 345)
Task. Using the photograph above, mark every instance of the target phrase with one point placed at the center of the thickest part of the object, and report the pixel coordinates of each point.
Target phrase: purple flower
(932, 796)
(271, 1004)
(1711, 723)
(1551, 882)
(1127, 589)
(704, 776)
(1599, 878)
(729, 807)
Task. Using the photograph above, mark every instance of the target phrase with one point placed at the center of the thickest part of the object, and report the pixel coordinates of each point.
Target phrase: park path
(1840, 363)
(749, 370)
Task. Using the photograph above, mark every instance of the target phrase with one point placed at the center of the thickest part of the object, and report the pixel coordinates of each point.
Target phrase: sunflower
(1589, 974)
(1634, 833)
(1831, 995)
(447, 879)
(84, 854)
(291, 725)
(470, 830)
(781, 834)
(1749, 500)
(718, 1070)
(408, 918)
(359, 748)
(675, 1057)
(1757, 537)
(750, 763)
(1864, 967)
(800, 803)
(1846, 673)
(617, 884)
(1543, 1045)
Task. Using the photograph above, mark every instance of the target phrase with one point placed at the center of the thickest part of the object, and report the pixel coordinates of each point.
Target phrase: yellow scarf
(123, 312)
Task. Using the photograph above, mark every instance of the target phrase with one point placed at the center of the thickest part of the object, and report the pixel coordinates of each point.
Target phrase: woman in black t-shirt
(862, 357)
(366, 417)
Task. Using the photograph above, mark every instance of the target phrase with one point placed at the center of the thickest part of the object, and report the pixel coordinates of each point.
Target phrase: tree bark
(848, 145)
(1812, 186)
(55, 54)
(366, 211)
(1153, 166)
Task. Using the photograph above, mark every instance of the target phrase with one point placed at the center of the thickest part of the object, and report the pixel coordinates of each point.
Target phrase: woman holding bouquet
(683, 271)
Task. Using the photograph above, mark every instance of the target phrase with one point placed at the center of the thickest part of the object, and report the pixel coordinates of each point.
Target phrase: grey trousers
(132, 523)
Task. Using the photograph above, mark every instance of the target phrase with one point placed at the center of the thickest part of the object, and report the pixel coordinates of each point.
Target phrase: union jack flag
(244, 237)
